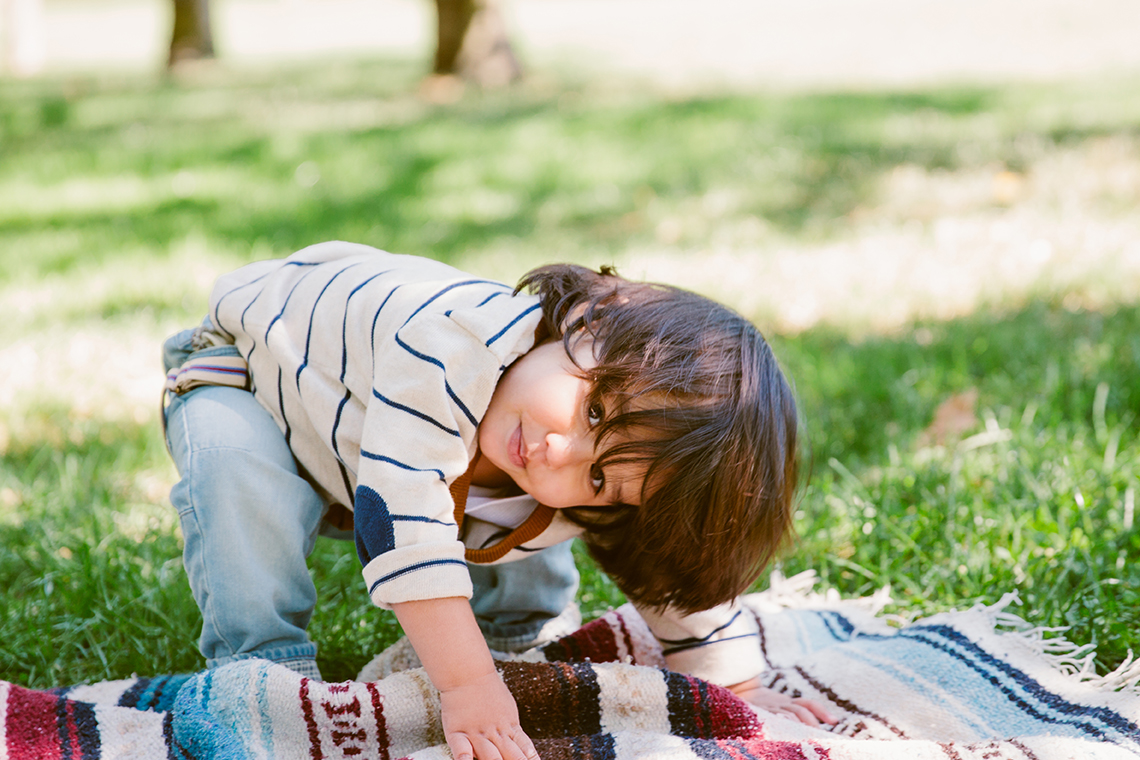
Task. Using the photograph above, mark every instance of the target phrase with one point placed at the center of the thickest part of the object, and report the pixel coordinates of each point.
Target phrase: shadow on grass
(347, 153)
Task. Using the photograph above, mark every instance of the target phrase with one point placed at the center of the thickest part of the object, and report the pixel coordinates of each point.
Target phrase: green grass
(121, 199)
(1036, 499)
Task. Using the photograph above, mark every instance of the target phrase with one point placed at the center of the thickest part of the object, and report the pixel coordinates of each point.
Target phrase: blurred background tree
(472, 43)
(21, 37)
(191, 36)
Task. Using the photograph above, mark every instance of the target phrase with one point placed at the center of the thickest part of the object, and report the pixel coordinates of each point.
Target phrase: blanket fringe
(1077, 661)
(798, 592)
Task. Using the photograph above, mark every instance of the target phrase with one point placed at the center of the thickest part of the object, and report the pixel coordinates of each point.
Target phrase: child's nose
(563, 450)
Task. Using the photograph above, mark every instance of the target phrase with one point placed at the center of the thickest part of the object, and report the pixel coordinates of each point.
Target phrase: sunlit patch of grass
(143, 285)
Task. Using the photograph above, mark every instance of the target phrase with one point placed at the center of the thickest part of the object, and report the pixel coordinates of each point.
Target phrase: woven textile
(968, 685)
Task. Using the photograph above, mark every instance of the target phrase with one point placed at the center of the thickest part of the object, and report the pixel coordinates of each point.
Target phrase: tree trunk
(472, 43)
(191, 38)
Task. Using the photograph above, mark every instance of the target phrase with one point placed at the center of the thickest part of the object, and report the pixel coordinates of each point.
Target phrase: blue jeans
(250, 520)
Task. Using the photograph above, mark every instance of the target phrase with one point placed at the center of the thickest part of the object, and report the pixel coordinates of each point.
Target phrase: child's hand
(480, 717)
(481, 720)
(806, 711)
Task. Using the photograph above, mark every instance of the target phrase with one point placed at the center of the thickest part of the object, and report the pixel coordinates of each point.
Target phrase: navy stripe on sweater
(269, 329)
(216, 320)
(489, 298)
(447, 386)
(696, 639)
(412, 568)
(699, 644)
(402, 465)
(511, 324)
(421, 518)
(312, 318)
(415, 413)
(452, 286)
(344, 366)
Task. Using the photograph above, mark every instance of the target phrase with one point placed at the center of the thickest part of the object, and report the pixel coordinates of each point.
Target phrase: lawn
(901, 249)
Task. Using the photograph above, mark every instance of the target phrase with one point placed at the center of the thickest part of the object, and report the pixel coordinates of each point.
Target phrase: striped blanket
(969, 685)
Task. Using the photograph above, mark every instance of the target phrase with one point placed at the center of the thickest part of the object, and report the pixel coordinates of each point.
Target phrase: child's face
(540, 431)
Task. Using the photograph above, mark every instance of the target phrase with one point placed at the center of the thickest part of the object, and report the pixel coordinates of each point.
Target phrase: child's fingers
(460, 747)
(485, 749)
(525, 744)
(516, 746)
(513, 745)
(802, 714)
(816, 709)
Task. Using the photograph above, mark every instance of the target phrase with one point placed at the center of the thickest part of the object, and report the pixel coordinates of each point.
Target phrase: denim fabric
(523, 604)
(250, 520)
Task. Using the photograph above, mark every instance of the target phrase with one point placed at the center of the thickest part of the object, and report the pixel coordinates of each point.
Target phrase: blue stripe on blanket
(1022, 690)
(154, 694)
(987, 694)
(594, 747)
(709, 750)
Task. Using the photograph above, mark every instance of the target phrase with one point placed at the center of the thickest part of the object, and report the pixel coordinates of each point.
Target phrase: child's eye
(597, 478)
(595, 414)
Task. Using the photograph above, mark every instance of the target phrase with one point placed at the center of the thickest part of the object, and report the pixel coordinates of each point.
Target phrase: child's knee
(221, 418)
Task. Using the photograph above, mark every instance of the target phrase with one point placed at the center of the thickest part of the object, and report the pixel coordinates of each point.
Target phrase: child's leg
(523, 604)
(249, 523)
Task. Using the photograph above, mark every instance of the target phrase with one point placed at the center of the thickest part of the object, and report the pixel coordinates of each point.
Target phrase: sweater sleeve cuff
(422, 571)
(721, 645)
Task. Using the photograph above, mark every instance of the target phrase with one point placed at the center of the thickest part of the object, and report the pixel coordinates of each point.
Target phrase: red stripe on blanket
(381, 721)
(626, 638)
(767, 749)
(594, 641)
(700, 708)
(310, 721)
(1028, 754)
(950, 751)
(32, 726)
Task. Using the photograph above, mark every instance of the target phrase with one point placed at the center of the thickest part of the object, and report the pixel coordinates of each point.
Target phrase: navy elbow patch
(374, 532)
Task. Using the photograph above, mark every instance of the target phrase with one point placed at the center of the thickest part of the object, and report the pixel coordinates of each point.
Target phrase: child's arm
(480, 718)
(722, 645)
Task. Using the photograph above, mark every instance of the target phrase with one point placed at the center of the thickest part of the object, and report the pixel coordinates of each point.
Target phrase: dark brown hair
(693, 396)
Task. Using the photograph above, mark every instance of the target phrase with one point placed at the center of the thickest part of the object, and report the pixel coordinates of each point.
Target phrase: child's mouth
(515, 448)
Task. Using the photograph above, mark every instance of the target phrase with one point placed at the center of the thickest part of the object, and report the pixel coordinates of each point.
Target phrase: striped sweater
(378, 368)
